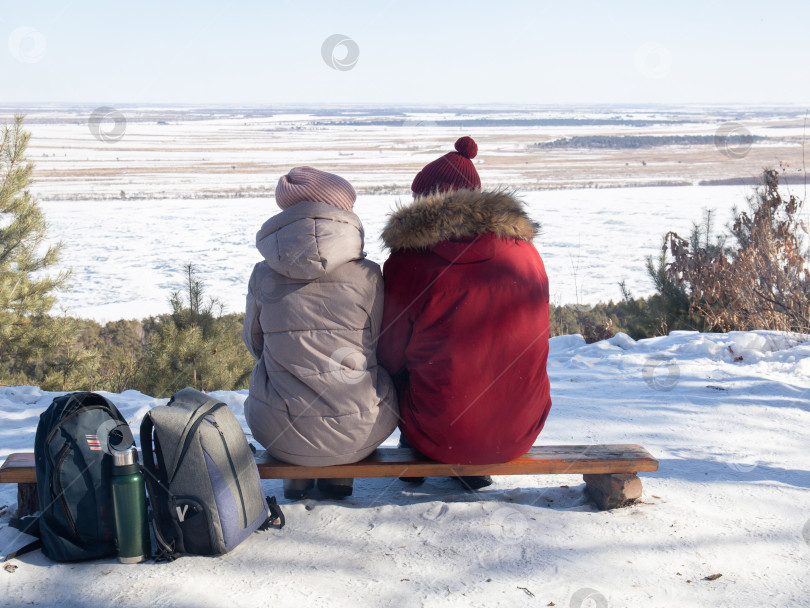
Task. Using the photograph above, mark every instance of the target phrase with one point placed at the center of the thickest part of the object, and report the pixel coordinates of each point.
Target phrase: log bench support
(27, 499)
(610, 471)
(613, 491)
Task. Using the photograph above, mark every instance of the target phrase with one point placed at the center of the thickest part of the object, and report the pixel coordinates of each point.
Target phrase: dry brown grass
(762, 281)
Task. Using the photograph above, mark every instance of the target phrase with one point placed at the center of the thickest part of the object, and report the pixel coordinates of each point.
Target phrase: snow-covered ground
(128, 256)
(727, 415)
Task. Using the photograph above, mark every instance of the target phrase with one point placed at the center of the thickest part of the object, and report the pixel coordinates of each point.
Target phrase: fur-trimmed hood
(442, 216)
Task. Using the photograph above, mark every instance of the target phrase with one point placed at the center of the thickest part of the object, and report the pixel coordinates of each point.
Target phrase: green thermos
(129, 506)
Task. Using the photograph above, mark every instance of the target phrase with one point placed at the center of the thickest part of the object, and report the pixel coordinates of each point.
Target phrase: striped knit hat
(452, 171)
(308, 184)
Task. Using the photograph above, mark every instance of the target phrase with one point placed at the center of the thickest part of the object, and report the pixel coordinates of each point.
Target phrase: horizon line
(314, 104)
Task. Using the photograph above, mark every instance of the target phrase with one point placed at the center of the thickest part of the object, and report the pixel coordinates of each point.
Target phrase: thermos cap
(123, 458)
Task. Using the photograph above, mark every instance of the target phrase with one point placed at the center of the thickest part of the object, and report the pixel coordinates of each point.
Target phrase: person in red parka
(465, 322)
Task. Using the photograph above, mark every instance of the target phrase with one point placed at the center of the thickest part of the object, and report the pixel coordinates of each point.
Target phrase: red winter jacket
(465, 326)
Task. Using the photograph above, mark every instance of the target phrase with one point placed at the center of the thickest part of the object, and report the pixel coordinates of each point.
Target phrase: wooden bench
(609, 471)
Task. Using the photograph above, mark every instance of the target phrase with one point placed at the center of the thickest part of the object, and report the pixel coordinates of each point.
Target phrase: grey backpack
(203, 484)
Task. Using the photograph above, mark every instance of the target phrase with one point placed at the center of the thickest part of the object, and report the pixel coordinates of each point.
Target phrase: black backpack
(74, 475)
(203, 483)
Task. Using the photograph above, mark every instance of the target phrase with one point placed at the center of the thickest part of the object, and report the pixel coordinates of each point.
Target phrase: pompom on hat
(308, 184)
(453, 171)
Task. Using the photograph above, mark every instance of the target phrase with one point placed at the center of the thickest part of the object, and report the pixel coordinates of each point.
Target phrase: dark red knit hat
(453, 171)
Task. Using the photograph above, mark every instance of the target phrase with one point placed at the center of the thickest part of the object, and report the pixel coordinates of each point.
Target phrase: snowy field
(732, 497)
(128, 256)
(148, 189)
(164, 152)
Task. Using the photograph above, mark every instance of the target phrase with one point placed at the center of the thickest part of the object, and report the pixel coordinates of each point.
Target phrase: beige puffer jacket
(314, 310)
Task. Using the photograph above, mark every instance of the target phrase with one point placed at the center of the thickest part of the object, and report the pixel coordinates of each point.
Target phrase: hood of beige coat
(310, 239)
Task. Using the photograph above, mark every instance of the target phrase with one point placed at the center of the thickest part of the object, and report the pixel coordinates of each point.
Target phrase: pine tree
(72, 366)
(26, 294)
(195, 346)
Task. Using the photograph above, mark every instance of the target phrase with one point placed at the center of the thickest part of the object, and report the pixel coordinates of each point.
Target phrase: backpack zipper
(233, 468)
(60, 492)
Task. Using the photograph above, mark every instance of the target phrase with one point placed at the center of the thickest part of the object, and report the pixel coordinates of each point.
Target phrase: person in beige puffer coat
(314, 310)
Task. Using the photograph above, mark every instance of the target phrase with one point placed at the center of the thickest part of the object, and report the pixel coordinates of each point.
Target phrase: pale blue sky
(539, 52)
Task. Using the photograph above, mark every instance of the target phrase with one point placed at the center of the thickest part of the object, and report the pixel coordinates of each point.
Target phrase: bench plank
(540, 460)
(19, 468)
(609, 470)
(401, 462)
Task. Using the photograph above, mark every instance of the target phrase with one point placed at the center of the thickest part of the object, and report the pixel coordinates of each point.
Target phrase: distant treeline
(787, 179)
(631, 142)
(500, 122)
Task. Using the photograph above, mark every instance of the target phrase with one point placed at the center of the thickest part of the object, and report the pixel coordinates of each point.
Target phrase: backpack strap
(275, 517)
(179, 401)
(168, 550)
(27, 525)
(189, 432)
(37, 544)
